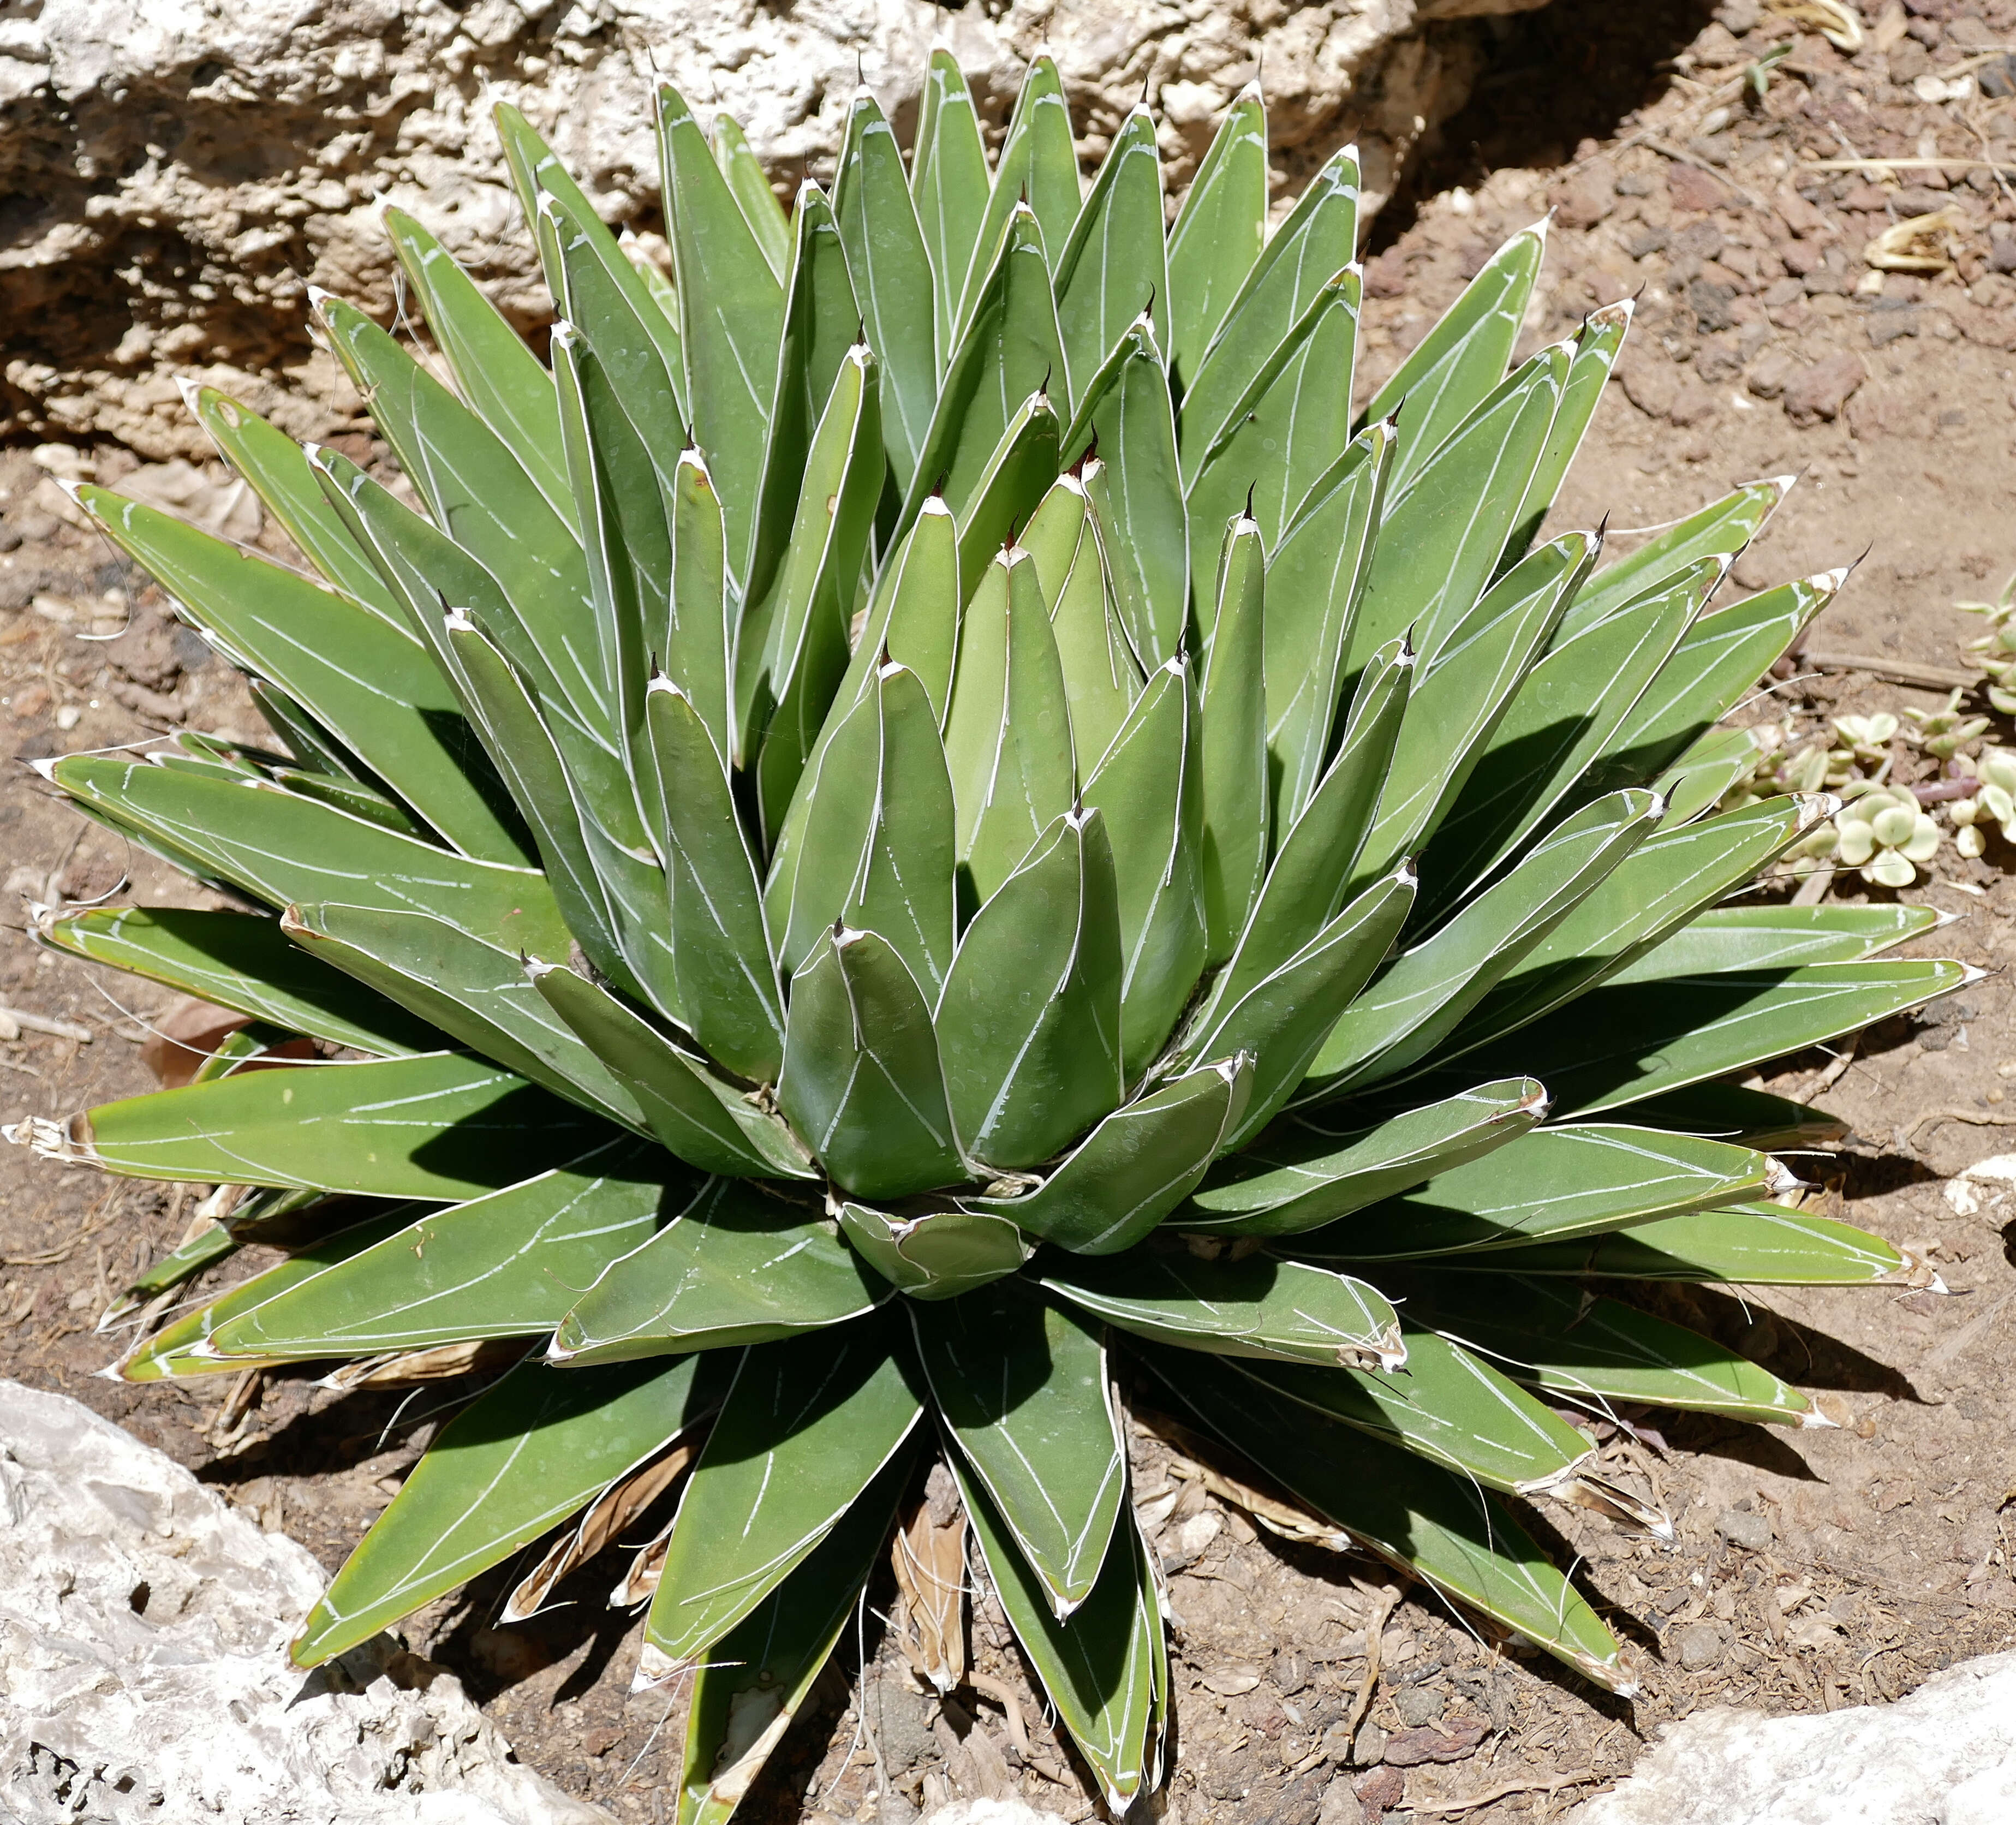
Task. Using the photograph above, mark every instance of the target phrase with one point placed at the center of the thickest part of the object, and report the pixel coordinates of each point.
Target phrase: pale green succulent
(927, 826)
(1996, 647)
(1992, 805)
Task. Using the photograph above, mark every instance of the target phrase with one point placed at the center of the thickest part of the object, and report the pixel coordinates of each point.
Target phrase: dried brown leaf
(606, 1516)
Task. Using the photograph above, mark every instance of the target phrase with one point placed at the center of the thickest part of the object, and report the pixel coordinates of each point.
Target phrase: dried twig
(1829, 1077)
(1904, 671)
(1549, 1785)
(1906, 164)
(1361, 1702)
(15, 1021)
(1980, 1119)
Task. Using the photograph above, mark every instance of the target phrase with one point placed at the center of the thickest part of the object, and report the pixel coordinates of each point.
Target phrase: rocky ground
(1812, 1570)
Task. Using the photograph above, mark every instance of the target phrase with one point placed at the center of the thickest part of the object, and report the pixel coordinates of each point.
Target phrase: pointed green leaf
(1450, 1407)
(288, 851)
(1714, 666)
(1008, 737)
(1719, 531)
(1443, 533)
(1234, 744)
(522, 741)
(281, 477)
(1314, 581)
(1751, 1244)
(429, 574)
(701, 1119)
(1023, 1385)
(605, 297)
(744, 1698)
(1136, 1166)
(1284, 1017)
(1297, 1177)
(1008, 349)
(807, 1426)
(1563, 715)
(533, 1450)
(181, 1349)
(1218, 232)
(438, 1125)
(874, 842)
(1018, 473)
(822, 322)
(1418, 1002)
(1135, 494)
(731, 314)
(720, 950)
(735, 1267)
(624, 534)
(534, 173)
(1460, 695)
(1029, 1022)
(863, 1082)
(1623, 1041)
(791, 652)
(1589, 369)
(1669, 878)
(1596, 1350)
(1768, 937)
(1101, 677)
(242, 962)
(1701, 778)
(1286, 432)
(1319, 240)
(1112, 268)
(470, 990)
(1414, 1513)
(949, 185)
(692, 643)
(375, 688)
(1306, 883)
(1103, 1667)
(1553, 1184)
(480, 497)
(1037, 171)
(497, 376)
(1257, 1306)
(1148, 788)
(752, 192)
(892, 279)
(1454, 369)
(499, 1266)
(937, 1255)
(1053, 534)
(1750, 1118)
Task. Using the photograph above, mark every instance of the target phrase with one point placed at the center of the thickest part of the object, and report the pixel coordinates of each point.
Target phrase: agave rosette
(925, 808)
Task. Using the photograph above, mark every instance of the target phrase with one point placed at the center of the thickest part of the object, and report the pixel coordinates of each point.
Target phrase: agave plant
(922, 824)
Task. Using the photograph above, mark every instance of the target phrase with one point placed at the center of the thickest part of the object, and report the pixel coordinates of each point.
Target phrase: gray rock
(184, 171)
(1696, 1645)
(1418, 1704)
(1945, 1755)
(143, 1630)
(1742, 1529)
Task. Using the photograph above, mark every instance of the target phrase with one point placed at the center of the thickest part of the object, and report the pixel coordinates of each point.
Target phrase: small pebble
(1741, 1529)
(1419, 1704)
(1698, 1645)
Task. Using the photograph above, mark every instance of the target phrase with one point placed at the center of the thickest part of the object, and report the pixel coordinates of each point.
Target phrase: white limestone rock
(143, 1670)
(175, 174)
(1944, 1755)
